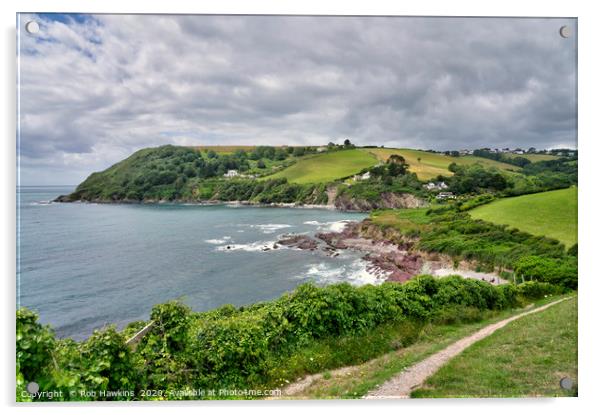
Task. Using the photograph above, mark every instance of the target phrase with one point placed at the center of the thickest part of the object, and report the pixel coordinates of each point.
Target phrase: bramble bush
(101, 363)
(107, 362)
(35, 344)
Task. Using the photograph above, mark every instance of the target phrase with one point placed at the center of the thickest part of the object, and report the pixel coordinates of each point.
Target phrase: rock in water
(299, 241)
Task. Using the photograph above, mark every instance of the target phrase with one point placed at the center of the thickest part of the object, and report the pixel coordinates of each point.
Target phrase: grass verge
(527, 358)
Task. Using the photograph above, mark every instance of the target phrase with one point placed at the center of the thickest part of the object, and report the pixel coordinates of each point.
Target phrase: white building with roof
(231, 173)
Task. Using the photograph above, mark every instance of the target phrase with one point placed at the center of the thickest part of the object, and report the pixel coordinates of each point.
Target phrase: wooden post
(135, 339)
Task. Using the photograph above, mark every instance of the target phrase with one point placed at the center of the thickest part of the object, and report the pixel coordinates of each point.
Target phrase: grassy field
(535, 157)
(356, 381)
(425, 164)
(526, 358)
(327, 167)
(429, 165)
(552, 214)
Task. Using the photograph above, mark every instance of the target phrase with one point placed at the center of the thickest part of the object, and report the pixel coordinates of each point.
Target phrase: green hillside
(327, 167)
(171, 173)
(552, 214)
(429, 165)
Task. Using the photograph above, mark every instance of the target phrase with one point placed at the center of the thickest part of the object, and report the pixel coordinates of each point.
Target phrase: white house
(231, 173)
(364, 176)
(435, 186)
(445, 195)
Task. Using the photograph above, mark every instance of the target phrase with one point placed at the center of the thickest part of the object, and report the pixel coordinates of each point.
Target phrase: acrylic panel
(293, 207)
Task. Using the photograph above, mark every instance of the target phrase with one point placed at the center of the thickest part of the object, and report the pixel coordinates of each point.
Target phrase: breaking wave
(271, 227)
(337, 226)
(257, 246)
(355, 273)
(218, 241)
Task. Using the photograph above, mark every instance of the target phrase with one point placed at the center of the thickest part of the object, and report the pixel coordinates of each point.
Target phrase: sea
(82, 266)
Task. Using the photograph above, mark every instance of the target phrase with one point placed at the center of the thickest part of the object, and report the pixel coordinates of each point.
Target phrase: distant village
(563, 152)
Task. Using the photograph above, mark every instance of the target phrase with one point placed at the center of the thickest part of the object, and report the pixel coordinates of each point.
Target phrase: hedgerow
(233, 347)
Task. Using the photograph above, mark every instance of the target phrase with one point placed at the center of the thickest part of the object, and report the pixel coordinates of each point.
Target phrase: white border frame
(589, 223)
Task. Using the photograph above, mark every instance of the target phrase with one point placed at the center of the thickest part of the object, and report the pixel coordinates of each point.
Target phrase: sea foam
(337, 226)
(271, 227)
(356, 273)
(257, 246)
(218, 241)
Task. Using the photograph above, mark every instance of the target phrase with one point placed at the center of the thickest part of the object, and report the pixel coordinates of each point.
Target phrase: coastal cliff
(387, 200)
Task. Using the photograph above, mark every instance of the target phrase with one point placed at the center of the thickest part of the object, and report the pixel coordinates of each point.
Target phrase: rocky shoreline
(236, 203)
(396, 261)
(385, 257)
(341, 202)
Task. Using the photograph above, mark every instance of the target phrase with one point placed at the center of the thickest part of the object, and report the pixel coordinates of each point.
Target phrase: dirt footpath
(401, 386)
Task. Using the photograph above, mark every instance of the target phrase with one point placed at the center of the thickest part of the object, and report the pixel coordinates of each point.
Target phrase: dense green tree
(280, 154)
(299, 151)
(396, 165)
(475, 178)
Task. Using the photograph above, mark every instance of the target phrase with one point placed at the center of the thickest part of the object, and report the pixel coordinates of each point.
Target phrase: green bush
(35, 344)
(172, 320)
(475, 178)
(533, 290)
(165, 348)
(101, 363)
(233, 351)
(557, 271)
(107, 362)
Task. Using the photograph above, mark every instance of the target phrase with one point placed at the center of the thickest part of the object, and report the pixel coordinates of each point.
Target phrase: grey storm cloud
(93, 89)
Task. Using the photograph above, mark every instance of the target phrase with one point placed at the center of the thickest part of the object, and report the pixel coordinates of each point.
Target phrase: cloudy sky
(93, 89)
